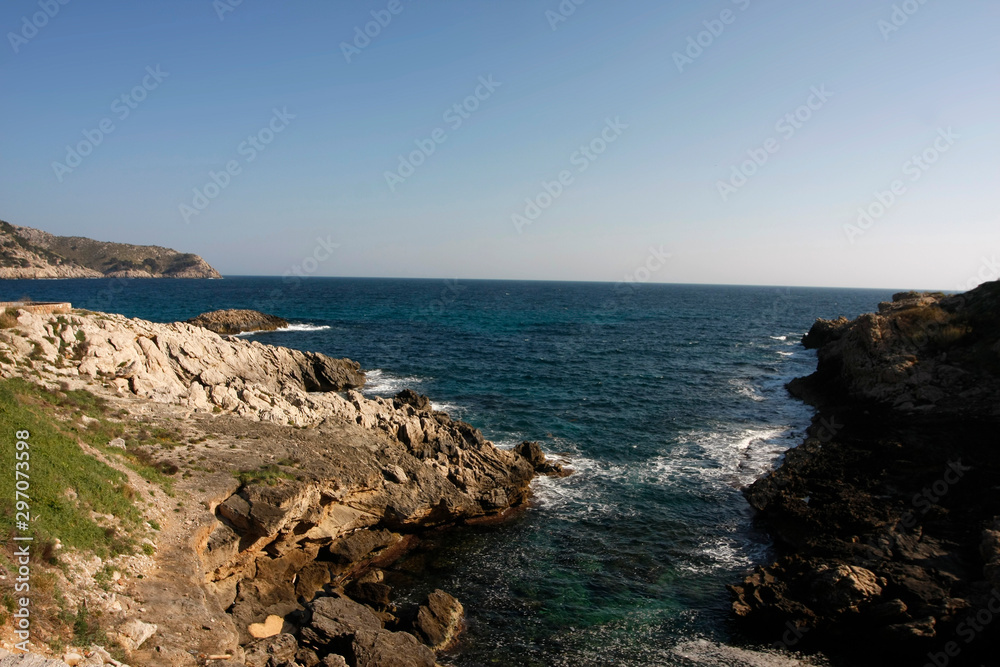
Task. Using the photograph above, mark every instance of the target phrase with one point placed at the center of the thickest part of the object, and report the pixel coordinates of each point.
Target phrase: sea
(665, 400)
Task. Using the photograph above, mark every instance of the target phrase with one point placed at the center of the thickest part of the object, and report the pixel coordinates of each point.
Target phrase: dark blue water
(666, 399)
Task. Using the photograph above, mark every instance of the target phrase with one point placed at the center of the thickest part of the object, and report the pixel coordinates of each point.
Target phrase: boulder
(335, 620)
(382, 648)
(269, 628)
(273, 650)
(412, 398)
(439, 620)
(823, 332)
(532, 452)
(235, 321)
(133, 633)
(844, 588)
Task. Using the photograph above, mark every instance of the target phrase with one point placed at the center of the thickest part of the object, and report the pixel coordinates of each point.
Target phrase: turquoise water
(665, 399)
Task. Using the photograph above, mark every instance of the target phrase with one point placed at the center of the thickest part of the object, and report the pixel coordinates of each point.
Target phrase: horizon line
(589, 282)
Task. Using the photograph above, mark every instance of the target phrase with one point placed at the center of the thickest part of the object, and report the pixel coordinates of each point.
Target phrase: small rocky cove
(299, 489)
(295, 496)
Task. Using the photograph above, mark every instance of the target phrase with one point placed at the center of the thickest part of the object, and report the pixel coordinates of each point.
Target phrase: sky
(849, 143)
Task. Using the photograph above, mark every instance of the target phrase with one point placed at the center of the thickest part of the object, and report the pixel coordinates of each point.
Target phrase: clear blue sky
(656, 185)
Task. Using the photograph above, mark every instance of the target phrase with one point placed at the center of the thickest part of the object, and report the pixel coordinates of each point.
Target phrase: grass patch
(269, 475)
(66, 484)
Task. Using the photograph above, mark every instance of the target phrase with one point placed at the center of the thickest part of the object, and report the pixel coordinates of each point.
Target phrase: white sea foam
(298, 326)
(380, 383)
(778, 337)
(454, 410)
(575, 497)
(735, 458)
(305, 326)
(745, 388)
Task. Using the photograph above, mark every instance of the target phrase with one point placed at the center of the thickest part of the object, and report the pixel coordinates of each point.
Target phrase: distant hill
(32, 253)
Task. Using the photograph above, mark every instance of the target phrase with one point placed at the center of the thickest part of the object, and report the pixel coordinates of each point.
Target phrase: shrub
(8, 318)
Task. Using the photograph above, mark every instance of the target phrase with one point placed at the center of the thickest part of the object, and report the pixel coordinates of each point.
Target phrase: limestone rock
(29, 660)
(335, 620)
(338, 495)
(439, 620)
(532, 452)
(921, 352)
(133, 633)
(381, 648)
(412, 398)
(235, 321)
(269, 628)
(273, 650)
(845, 587)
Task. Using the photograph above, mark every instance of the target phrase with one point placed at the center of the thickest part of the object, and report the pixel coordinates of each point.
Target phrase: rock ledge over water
(886, 518)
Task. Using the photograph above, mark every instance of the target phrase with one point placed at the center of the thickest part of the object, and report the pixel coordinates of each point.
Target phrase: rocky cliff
(32, 253)
(296, 490)
(886, 519)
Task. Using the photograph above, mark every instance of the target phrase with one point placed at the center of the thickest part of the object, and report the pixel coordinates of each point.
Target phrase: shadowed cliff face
(886, 517)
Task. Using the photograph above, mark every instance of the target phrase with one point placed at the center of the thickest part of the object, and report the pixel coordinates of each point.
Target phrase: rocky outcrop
(919, 353)
(27, 253)
(885, 517)
(292, 533)
(235, 321)
(340, 626)
(181, 363)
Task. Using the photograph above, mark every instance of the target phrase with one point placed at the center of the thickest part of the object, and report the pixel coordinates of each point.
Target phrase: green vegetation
(931, 326)
(269, 474)
(11, 239)
(66, 484)
(97, 255)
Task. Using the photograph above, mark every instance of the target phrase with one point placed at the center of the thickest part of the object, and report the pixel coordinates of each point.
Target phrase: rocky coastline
(290, 491)
(886, 520)
(27, 253)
